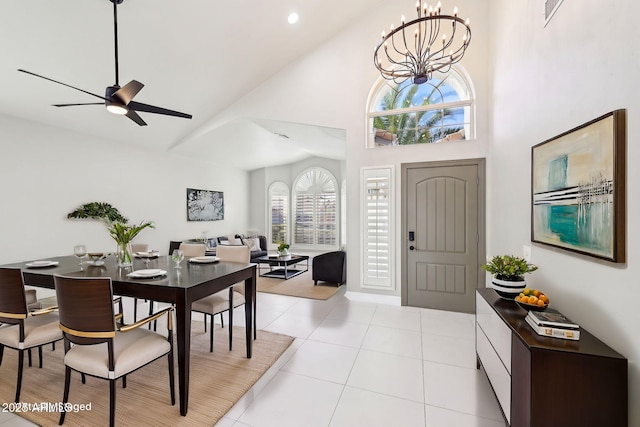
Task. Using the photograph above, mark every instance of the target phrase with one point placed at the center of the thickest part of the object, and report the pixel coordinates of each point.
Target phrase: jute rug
(218, 380)
(298, 286)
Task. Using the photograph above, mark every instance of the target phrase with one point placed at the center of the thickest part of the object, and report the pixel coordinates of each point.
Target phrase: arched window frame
(279, 198)
(457, 78)
(332, 235)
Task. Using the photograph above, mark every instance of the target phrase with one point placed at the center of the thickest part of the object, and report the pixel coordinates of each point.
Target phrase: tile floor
(362, 360)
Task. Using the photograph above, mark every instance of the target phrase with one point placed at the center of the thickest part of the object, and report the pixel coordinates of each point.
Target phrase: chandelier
(437, 42)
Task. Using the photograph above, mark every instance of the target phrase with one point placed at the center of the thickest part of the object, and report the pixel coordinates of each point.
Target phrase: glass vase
(123, 254)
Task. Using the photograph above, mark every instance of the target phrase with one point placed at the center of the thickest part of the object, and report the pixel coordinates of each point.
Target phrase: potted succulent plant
(508, 274)
(116, 223)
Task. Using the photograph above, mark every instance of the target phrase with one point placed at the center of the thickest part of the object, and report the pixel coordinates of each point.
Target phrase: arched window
(315, 209)
(279, 212)
(439, 110)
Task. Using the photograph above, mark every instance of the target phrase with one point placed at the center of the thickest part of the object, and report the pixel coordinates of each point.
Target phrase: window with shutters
(377, 233)
(315, 207)
(279, 211)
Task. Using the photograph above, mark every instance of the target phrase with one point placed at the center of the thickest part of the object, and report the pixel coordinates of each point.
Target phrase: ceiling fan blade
(128, 91)
(138, 106)
(60, 83)
(136, 118)
(73, 105)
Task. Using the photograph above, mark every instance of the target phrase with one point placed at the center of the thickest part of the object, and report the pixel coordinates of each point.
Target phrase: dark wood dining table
(180, 287)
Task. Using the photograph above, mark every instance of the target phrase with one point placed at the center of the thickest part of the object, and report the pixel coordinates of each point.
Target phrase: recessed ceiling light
(293, 18)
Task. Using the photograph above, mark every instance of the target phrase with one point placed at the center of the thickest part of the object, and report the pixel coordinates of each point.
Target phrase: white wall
(46, 173)
(546, 81)
(329, 87)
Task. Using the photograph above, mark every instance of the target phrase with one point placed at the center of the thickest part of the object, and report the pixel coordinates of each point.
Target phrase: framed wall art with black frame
(578, 188)
(204, 205)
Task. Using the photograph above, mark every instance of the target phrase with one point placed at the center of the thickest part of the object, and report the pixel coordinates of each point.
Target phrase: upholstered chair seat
(130, 350)
(38, 330)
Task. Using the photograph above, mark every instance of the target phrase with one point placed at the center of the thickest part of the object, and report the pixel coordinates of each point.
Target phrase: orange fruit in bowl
(541, 303)
(544, 298)
(536, 293)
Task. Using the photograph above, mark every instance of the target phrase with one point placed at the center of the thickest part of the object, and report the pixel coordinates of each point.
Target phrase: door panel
(442, 208)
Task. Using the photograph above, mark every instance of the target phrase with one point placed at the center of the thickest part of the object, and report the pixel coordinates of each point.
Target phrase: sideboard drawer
(496, 331)
(496, 372)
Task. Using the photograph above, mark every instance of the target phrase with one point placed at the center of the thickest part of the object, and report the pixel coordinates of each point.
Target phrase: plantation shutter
(304, 229)
(316, 209)
(279, 200)
(377, 228)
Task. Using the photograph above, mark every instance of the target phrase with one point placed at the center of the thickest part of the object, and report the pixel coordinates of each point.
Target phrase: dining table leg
(183, 336)
(250, 298)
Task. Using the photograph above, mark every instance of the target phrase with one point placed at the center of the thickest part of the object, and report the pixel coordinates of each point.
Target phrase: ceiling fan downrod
(115, 36)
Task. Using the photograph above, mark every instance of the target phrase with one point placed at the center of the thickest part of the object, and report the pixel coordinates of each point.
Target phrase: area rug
(298, 286)
(218, 380)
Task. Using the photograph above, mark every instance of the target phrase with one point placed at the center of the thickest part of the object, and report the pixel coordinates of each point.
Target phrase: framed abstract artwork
(204, 205)
(578, 187)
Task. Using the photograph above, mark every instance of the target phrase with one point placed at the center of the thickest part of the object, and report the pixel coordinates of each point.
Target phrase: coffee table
(284, 265)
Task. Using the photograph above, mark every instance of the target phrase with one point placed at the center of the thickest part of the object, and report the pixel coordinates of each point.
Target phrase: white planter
(508, 289)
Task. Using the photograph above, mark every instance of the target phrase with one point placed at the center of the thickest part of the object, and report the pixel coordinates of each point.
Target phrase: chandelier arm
(409, 59)
(453, 36)
(425, 56)
(393, 61)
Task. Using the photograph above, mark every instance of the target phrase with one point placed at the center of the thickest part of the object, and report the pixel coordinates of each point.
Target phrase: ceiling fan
(119, 100)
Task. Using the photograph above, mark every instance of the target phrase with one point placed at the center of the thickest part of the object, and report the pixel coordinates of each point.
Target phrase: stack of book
(552, 323)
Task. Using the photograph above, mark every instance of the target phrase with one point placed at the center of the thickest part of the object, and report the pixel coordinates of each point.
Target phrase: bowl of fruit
(532, 299)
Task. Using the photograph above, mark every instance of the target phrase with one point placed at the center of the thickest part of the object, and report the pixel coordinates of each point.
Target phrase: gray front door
(444, 215)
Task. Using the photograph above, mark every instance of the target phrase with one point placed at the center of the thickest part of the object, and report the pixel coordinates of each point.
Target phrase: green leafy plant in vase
(116, 223)
(283, 249)
(508, 274)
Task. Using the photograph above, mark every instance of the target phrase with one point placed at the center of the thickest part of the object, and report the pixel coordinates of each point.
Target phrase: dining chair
(224, 300)
(192, 249)
(96, 346)
(23, 329)
(139, 247)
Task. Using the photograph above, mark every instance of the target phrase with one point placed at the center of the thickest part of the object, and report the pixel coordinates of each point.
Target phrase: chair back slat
(85, 304)
(12, 297)
(234, 253)
(193, 249)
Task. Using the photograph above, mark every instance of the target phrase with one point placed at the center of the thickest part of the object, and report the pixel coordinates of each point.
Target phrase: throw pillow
(253, 243)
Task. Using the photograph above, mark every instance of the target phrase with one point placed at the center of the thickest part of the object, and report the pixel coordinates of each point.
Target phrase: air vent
(550, 8)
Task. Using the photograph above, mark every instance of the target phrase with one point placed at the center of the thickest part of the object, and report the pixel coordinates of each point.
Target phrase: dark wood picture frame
(204, 205)
(578, 189)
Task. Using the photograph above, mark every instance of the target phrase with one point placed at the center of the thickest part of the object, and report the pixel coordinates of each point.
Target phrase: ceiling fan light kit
(118, 100)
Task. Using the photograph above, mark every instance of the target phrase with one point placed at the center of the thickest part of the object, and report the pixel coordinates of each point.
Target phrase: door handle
(411, 248)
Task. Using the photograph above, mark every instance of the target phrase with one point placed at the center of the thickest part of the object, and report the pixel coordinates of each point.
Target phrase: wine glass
(177, 256)
(80, 251)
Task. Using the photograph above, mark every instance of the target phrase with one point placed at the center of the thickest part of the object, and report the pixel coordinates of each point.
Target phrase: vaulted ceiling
(193, 56)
